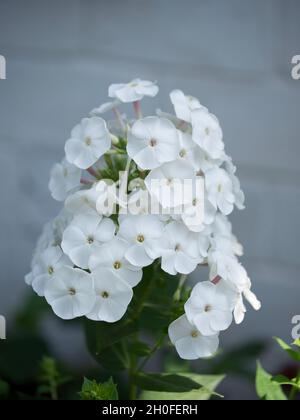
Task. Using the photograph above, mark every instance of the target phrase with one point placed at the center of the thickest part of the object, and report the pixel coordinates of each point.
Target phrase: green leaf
(50, 378)
(175, 365)
(283, 380)
(140, 349)
(266, 388)
(165, 382)
(297, 342)
(4, 389)
(91, 390)
(292, 353)
(156, 289)
(107, 342)
(191, 386)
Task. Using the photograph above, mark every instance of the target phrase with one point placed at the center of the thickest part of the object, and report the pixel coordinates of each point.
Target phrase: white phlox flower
(178, 249)
(82, 202)
(184, 105)
(105, 107)
(207, 133)
(88, 142)
(189, 342)
(172, 184)
(133, 91)
(220, 190)
(188, 150)
(111, 257)
(210, 307)
(84, 235)
(141, 232)
(71, 295)
(152, 141)
(112, 297)
(64, 178)
(145, 197)
(46, 266)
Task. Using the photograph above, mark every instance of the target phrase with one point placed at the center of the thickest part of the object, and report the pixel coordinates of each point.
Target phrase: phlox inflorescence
(121, 183)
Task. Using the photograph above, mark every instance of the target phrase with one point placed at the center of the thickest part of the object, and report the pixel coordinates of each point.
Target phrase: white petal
(137, 255)
(184, 264)
(112, 297)
(220, 321)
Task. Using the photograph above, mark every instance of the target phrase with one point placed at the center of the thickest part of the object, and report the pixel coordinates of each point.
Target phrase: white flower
(107, 106)
(172, 184)
(210, 307)
(107, 197)
(203, 162)
(207, 133)
(82, 202)
(184, 105)
(89, 141)
(141, 232)
(59, 224)
(111, 257)
(133, 91)
(223, 228)
(188, 150)
(220, 190)
(238, 193)
(100, 198)
(71, 295)
(221, 246)
(193, 213)
(204, 239)
(176, 121)
(152, 141)
(46, 266)
(209, 212)
(240, 308)
(222, 225)
(64, 178)
(178, 249)
(45, 240)
(84, 235)
(189, 342)
(113, 296)
(139, 202)
(29, 278)
(230, 270)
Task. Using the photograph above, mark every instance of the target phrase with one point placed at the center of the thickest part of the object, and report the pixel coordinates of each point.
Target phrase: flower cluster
(89, 259)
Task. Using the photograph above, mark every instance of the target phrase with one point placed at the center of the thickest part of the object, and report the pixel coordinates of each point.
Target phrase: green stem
(294, 389)
(177, 294)
(156, 346)
(53, 390)
(132, 386)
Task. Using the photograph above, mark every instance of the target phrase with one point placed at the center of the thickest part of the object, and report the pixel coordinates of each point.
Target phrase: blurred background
(234, 56)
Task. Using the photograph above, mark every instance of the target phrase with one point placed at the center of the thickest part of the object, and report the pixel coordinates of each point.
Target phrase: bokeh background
(235, 56)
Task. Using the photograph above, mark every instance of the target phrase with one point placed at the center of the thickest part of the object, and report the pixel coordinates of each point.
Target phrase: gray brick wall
(235, 56)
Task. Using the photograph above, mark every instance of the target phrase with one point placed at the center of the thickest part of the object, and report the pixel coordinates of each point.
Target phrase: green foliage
(19, 356)
(4, 389)
(266, 388)
(91, 390)
(50, 378)
(182, 386)
(295, 355)
(109, 343)
(270, 387)
(297, 343)
(117, 346)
